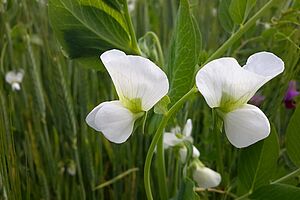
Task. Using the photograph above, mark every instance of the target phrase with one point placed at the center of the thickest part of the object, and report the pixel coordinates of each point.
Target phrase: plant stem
(131, 30)
(294, 173)
(159, 49)
(217, 135)
(290, 175)
(161, 169)
(243, 28)
(115, 179)
(160, 159)
(157, 136)
(180, 102)
(216, 191)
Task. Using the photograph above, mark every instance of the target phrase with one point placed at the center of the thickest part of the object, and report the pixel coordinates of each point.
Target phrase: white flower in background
(14, 79)
(176, 137)
(131, 5)
(228, 87)
(206, 177)
(183, 153)
(139, 83)
(214, 12)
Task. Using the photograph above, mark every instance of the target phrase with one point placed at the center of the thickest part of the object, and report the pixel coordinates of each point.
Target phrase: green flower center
(229, 103)
(134, 105)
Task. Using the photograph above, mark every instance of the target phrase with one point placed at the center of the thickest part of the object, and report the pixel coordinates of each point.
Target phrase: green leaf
(258, 162)
(293, 137)
(276, 192)
(86, 28)
(184, 53)
(224, 16)
(162, 106)
(186, 191)
(240, 9)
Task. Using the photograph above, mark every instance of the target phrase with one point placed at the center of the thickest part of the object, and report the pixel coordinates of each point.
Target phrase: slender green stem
(115, 179)
(217, 134)
(243, 28)
(161, 169)
(243, 196)
(216, 191)
(131, 30)
(286, 177)
(157, 136)
(180, 102)
(290, 175)
(160, 159)
(158, 45)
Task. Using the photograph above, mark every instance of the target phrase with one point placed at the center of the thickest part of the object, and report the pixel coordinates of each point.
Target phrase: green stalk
(160, 161)
(131, 30)
(286, 177)
(157, 136)
(181, 101)
(161, 169)
(217, 135)
(243, 28)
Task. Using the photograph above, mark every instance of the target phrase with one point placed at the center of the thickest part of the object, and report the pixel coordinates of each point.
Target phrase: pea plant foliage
(188, 95)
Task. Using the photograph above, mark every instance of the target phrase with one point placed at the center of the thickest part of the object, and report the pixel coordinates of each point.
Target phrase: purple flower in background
(257, 99)
(290, 95)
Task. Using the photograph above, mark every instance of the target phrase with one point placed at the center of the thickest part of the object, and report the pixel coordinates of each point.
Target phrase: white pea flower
(228, 87)
(206, 177)
(139, 83)
(183, 153)
(176, 137)
(14, 79)
(131, 5)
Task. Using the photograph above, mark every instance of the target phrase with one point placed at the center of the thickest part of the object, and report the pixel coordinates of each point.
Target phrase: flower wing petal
(206, 177)
(90, 119)
(113, 120)
(265, 64)
(223, 81)
(187, 130)
(170, 140)
(136, 77)
(196, 152)
(246, 125)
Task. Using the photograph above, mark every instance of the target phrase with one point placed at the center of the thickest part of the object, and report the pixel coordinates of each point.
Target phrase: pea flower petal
(223, 83)
(187, 130)
(140, 84)
(113, 120)
(246, 125)
(135, 78)
(228, 87)
(206, 177)
(183, 153)
(171, 140)
(290, 94)
(265, 64)
(14, 79)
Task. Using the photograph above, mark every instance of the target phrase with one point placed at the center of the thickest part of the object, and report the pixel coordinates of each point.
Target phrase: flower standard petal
(12, 77)
(265, 64)
(187, 130)
(206, 177)
(113, 120)
(246, 125)
(137, 79)
(223, 83)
